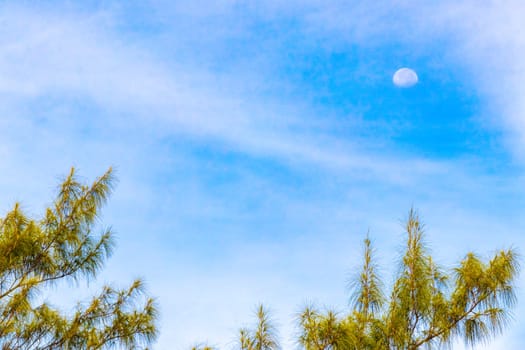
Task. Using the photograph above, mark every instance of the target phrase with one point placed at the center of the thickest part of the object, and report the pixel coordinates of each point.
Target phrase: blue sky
(257, 142)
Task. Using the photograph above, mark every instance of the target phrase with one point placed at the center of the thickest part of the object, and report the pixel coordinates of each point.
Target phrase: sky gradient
(256, 143)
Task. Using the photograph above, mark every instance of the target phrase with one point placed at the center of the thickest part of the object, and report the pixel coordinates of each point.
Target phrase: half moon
(405, 77)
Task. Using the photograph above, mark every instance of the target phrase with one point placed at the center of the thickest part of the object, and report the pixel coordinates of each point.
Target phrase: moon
(405, 78)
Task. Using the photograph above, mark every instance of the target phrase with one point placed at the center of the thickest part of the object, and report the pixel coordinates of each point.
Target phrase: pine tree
(427, 307)
(202, 347)
(61, 246)
(263, 336)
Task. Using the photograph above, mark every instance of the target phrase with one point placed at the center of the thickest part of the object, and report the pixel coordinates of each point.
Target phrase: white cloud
(483, 38)
(46, 56)
(50, 64)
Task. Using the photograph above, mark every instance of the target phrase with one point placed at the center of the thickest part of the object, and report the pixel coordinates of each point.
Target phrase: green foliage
(426, 308)
(61, 246)
(322, 331)
(263, 336)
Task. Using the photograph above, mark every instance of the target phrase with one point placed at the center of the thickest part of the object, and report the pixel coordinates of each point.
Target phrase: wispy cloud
(77, 89)
(483, 38)
(45, 55)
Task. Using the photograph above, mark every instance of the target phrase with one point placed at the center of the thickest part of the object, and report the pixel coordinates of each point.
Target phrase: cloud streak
(80, 57)
(78, 89)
